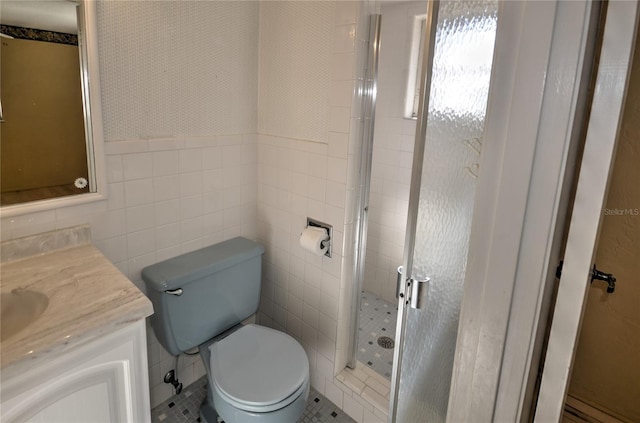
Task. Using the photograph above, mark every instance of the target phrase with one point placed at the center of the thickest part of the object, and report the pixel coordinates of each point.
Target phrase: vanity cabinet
(84, 358)
(103, 380)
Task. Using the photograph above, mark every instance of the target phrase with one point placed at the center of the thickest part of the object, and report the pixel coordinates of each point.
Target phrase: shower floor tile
(377, 333)
(185, 407)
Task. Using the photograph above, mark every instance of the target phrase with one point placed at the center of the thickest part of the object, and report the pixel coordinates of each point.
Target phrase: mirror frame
(92, 107)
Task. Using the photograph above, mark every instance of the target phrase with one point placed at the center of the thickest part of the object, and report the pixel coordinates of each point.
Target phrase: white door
(599, 151)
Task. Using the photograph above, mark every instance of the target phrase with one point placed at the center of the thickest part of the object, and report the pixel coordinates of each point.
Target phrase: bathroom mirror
(51, 132)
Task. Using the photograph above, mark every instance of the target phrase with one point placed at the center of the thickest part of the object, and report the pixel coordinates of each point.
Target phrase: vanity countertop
(88, 298)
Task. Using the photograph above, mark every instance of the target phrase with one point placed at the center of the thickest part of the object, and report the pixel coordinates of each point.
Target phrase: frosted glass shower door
(459, 54)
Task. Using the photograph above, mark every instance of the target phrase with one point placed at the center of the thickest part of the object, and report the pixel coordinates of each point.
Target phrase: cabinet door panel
(86, 405)
(105, 380)
(96, 394)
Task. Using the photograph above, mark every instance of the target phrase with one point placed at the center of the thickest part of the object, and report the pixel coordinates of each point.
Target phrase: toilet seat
(259, 369)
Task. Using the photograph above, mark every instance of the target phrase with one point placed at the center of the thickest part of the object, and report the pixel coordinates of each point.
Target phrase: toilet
(255, 373)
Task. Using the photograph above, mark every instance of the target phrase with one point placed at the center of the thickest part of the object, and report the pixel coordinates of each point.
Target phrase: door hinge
(418, 289)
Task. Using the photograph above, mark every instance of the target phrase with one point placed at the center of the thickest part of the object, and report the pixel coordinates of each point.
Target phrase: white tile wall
(292, 186)
(307, 296)
(178, 68)
(295, 71)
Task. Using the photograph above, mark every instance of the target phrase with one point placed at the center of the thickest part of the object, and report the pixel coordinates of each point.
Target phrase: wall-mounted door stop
(595, 275)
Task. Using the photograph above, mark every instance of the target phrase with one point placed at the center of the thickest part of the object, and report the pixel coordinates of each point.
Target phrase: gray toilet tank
(220, 287)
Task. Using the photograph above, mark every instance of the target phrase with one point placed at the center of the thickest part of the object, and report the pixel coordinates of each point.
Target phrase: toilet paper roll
(311, 240)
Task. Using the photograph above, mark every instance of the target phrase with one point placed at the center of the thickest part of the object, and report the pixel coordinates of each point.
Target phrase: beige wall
(43, 141)
(606, 372)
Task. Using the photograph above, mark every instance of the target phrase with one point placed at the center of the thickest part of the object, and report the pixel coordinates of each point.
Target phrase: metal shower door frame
(368, 113)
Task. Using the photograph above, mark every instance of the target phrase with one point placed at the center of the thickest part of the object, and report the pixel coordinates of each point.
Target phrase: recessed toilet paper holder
(326, 227)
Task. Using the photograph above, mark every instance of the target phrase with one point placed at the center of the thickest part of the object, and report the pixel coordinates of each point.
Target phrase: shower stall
(426, 89)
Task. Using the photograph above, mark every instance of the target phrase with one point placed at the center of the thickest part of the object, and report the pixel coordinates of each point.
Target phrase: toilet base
(289, 414)
(207, 412)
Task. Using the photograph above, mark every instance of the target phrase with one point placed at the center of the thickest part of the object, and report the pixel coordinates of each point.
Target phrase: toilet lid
(258, 366)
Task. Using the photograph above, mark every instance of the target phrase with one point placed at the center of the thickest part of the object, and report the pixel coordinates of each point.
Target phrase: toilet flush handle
(176, 292)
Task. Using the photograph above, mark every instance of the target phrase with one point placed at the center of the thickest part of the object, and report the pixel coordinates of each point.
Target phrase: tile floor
(377, 333)
(184, 408)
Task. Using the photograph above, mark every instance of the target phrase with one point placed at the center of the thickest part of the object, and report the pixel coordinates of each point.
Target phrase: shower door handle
(399, 280)
(418, 289)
